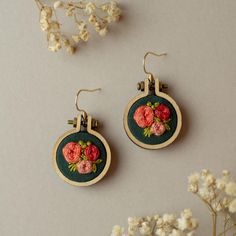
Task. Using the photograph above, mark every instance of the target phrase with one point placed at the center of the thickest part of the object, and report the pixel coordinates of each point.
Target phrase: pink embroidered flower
(162, 112)
(92, 152)
(144, 116)
(158, 128)
(84, 167)
(71, 152)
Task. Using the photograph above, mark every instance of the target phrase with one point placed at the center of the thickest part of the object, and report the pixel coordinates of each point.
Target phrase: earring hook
(150, 75)
(77, 100)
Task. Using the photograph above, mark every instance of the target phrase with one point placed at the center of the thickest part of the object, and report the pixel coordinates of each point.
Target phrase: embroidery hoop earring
(82, 156)
(152, 120)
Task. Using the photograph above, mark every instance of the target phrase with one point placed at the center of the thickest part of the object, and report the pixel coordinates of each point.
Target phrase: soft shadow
(114, 163)
(185, 116)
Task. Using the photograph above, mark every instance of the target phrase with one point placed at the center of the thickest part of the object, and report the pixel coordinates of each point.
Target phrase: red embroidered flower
(162, 112)
(158, 128)
(84, 167)
(144, 116)
(71, 152)
(92, 152)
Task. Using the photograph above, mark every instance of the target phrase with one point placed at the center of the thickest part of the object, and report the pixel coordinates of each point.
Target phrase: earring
(82, 156)
(152, 120)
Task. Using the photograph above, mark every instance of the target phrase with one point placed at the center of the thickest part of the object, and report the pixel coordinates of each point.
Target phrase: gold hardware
(149, 74)
(84, 113)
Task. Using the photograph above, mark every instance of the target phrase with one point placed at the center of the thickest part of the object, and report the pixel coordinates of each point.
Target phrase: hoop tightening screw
(72, 122)
(163, 86)
(94, 123)
(141, 86)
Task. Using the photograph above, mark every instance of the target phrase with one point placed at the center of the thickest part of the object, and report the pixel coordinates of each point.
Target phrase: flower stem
(226, 230)
(214, 222)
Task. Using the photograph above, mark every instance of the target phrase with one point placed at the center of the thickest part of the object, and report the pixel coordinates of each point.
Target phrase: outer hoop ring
(160, 94)
(90, 131)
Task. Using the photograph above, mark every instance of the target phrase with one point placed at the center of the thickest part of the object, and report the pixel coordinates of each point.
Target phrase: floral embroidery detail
(153, 118)
(162, 112)
(92, 152)
(144, 116)
(84, 167)
(82, 157)
(72, 152)
(158, 128)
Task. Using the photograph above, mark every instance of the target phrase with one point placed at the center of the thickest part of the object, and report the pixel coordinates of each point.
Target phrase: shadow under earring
(82, 156)
(152, 120)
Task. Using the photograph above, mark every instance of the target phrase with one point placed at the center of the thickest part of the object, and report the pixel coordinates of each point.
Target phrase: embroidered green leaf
(84, 157)
(98, 161)
(156, 119)
(167, 121)
(147, 132)
(149, 104)
(156, 104)
(167, 126)
(72, 167)
(81, 143)
(94, 168)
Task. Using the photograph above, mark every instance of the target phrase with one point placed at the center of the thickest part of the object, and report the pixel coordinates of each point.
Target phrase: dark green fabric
(138, 132)
(63, 164)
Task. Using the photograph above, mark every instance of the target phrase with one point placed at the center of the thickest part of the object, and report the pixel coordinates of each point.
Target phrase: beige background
(37, 97)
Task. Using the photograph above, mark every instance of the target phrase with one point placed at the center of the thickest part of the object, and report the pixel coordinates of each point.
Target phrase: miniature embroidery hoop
(78, 124)
(157, 91)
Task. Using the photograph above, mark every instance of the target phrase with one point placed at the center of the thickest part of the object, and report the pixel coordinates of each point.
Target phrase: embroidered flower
(154, 118)
(92, 152)
(71, 152)
(144, 116)
(162, 112)
(158, 128)
(84, 167)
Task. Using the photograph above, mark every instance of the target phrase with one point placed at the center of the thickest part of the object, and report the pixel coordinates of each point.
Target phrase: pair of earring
(152, 120)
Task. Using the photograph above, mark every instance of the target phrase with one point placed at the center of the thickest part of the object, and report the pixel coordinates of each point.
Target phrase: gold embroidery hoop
(77, 123)
(145, 87)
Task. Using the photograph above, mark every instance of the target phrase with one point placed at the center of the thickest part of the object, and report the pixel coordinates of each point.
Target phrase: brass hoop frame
(160, 94)
(90, 131)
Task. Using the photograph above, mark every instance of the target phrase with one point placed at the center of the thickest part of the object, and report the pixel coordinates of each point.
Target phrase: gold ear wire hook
(77, 100)
(150, 75)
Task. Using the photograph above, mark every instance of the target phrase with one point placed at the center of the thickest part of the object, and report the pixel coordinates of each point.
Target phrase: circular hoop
(91, 132)
(161, 95)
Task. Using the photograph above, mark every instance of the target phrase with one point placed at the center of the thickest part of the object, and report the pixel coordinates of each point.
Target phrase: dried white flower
(220, 184)
(177, 233)
(76, 38)
(90, 8)
(145, 229)
(117, 231)
(55, 47)
(58, 4)
(103, 32)
(84, 35)
(97, 16)
(70, 49)
(232, 206)
(230, 189)
(194, 178)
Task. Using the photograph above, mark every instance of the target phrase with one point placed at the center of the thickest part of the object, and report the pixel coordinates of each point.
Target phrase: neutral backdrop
(37, 97)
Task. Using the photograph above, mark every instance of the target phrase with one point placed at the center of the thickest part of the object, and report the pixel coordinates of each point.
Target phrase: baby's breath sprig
(165, 225)
(217, 193)
(84, 14)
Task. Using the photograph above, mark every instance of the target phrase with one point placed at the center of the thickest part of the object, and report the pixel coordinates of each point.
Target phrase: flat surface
(37, 97)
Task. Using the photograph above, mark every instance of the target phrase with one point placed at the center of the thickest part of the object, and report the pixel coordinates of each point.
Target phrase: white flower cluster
(166, 225)
(218, 193)
(83, 14)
